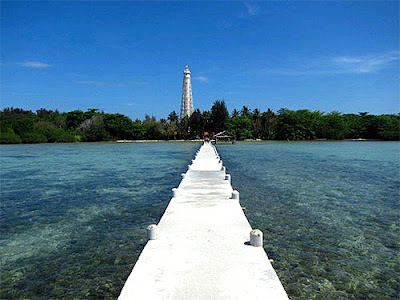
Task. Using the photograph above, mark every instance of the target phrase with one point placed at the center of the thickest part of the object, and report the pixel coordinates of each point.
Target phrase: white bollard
(223, 169)
(235, 195)
(228, 177)
(151, 232)
(174, 192)
(256, 238)
(183, 175)
(189, 167)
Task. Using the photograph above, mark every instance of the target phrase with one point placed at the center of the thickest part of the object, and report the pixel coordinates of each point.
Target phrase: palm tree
(173, 117)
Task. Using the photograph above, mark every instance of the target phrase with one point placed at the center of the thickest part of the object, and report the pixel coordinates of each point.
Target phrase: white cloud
(365, 64)
(252, 9)
(131, 104)
(35, 64)
(201, 78)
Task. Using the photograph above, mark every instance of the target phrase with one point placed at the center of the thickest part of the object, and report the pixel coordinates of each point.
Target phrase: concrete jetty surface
(200, 249)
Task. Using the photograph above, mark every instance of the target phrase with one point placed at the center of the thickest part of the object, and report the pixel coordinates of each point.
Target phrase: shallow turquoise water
(73, 216)
(329, 212)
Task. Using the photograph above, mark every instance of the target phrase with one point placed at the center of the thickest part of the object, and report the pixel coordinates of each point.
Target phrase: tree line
(48, 126)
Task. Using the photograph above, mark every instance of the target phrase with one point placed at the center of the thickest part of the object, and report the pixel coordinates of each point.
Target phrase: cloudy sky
(128, 56)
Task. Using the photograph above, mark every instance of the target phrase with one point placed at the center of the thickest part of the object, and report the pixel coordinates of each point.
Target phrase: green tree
(354, 126)
(235, 113)
(268, 125)
(196, 124)
(206, 119)
(183, 128)
(331, 126)
(119, 126)
(257, 124)
(173, 117)
(54, 117)
(8, 136)
(240, 126)
(297, 125)
(152, 128)
(218, 117)
(371, 125)
(389, 127)
(75, 118)
(21, 121)
(138, 130)
(93, 129)
(172, 131)
(246, 112)
(33, 137)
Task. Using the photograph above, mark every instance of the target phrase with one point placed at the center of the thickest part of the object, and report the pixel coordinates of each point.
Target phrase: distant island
(48, 126)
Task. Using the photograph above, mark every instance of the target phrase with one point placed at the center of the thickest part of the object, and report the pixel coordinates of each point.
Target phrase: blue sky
(128, 57)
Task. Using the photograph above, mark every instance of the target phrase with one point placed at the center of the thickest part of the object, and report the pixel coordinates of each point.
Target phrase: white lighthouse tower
(187, 97)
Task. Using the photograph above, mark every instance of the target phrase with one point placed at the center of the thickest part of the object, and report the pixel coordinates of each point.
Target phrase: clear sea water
(73, 215)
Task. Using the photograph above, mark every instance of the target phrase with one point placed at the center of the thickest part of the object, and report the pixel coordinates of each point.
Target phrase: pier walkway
(200, 249)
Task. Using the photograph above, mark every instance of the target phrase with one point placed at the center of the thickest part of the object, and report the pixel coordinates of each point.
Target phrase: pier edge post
(256, 238)
(151, 232)
(235, 195)
(228, 177)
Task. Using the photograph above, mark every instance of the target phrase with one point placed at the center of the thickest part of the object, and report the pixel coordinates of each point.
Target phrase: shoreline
(157, 141)
(200, 141)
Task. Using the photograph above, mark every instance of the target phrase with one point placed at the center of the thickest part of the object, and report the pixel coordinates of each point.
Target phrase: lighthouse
(187, 97)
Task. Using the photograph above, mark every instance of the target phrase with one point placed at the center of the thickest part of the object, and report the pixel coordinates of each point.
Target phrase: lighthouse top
(187, 97)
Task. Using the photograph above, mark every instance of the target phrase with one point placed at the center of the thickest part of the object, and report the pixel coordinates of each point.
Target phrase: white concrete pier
(202, 247)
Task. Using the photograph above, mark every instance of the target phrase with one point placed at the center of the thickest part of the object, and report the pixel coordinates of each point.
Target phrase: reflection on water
(73, 216)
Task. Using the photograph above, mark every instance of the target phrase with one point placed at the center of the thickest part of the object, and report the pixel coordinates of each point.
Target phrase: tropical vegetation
(48, 126)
